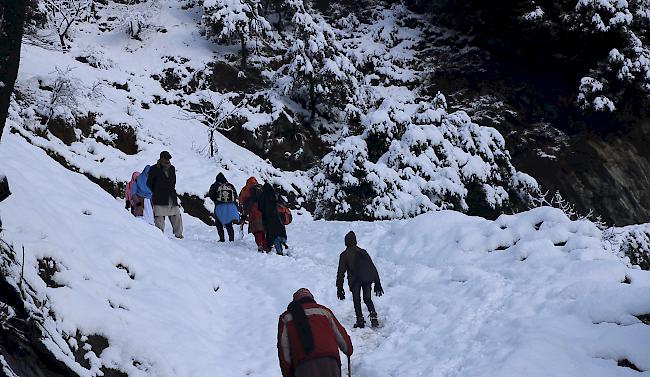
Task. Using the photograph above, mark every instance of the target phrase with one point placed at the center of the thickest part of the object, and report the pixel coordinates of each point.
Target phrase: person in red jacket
(309, 339)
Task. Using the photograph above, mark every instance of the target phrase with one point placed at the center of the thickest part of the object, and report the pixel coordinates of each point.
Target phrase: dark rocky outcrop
(598, 162)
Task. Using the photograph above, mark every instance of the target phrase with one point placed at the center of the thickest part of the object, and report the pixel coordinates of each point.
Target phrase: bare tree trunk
(62, 40)
(12, 20)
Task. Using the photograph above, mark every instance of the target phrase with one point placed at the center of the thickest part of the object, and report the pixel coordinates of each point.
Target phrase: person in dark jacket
(309, 339)
(362, 273)
(224, 196)
(162, 182)
(276, 233)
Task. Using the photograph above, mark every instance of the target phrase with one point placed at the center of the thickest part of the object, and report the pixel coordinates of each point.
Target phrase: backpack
(284, 213)
(226, 193)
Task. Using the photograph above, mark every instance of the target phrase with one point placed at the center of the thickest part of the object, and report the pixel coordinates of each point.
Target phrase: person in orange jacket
(248, 206)
(309, 339)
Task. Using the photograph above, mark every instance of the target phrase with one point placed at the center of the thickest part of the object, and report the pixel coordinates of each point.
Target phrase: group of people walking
(261, 206)
(151, 195)
(309, 335)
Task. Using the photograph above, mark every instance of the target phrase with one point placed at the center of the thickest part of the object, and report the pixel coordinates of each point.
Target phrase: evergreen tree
(315, 64)
(227, 20)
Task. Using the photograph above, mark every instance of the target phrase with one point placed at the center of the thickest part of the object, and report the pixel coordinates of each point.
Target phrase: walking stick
(349, 368)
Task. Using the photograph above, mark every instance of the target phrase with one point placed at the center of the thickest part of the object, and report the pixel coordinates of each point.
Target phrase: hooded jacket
(129, 186)
(328, 337)
(214, 188)
(356, 262)
(249, 206)
(140, 187)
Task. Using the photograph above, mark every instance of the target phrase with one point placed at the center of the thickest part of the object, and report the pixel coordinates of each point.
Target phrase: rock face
(609, 174)
(598, 162)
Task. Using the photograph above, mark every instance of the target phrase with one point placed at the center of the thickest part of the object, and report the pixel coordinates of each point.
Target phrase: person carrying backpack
(248, 206)
(141, 195)
(276, 233)
(309, 339)
(224, 196)
(162, 182)
(362, 273)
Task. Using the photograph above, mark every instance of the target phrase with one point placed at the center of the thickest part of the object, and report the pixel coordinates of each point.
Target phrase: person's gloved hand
(128, 204)
(378, 290)
(340, 294)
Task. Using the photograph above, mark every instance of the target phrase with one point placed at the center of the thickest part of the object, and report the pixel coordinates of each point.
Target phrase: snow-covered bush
(95, 57)
(227, 20)
(632, 242)
(64, 96)
(137, 16)
(435, 160)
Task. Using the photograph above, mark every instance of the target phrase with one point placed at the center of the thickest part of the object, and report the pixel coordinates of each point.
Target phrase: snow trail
(531, 294)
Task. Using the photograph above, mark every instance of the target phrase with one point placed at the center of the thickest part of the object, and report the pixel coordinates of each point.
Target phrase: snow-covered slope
(533, 293)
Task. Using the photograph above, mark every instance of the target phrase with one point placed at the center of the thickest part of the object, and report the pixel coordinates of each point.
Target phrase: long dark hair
(302, 323)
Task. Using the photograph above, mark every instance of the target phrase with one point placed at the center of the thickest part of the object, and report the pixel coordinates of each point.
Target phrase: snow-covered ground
(533, 294)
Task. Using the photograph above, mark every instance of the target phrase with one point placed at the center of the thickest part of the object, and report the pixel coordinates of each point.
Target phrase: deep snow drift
(533, 293)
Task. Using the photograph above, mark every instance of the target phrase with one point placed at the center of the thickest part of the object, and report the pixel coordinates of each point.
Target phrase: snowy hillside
(373, 144)
(333, 107)
(533, 293)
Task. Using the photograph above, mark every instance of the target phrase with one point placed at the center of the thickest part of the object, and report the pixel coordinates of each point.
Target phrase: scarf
(302, 323)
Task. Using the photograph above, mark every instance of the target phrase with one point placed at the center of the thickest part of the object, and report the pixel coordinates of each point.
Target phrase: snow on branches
(315, 63)
(434, 160)
(623, 27)
(226, 20)
(63, 15)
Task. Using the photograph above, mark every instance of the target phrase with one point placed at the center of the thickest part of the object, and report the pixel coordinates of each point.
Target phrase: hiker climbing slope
(224, 196)
(309, 339)
(162, 182)
(248, 206)
(362, 273)
(276, 233)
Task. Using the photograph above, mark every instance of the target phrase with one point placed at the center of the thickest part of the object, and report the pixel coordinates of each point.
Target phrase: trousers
(177, 224)
(356, 289)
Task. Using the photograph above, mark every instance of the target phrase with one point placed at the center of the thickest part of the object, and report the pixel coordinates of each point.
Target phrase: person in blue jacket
(224, 196)
(140, 190)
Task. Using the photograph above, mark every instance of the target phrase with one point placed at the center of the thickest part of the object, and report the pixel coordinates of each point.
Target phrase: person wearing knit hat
(309, 339)
(362, 273)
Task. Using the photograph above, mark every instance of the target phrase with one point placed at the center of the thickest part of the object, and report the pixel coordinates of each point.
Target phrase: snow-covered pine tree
(621, 29)
(315, 64)
(227, 20)
(435, 160)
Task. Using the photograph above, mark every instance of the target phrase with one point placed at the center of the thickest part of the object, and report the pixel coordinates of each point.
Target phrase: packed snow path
(532, 294)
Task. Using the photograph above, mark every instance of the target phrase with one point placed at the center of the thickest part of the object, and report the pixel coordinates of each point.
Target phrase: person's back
(276, 233)
(309, 339)
(224, 196)
(248, 204)
(362, 273)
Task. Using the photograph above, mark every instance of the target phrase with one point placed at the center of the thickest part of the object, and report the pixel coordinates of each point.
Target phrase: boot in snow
(360, 324)
(374, 322)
